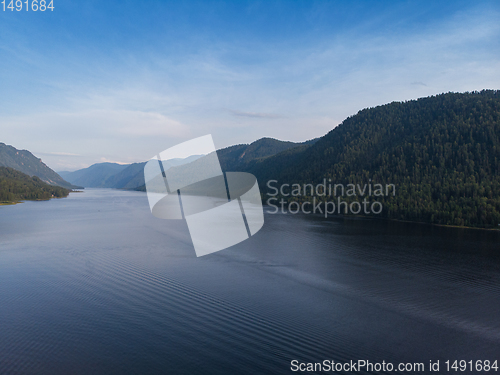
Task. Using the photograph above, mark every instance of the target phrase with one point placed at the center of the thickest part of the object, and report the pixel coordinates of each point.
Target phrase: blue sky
(120, 81)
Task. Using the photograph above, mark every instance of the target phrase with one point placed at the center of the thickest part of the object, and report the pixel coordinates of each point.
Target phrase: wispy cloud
(58, 153)
(255, 114)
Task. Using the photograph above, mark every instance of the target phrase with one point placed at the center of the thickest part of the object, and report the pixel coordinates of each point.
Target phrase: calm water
(94, 284)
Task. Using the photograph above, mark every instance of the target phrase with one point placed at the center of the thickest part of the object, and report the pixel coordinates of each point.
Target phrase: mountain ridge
(131, 176)
(27, 163)
(94, 175)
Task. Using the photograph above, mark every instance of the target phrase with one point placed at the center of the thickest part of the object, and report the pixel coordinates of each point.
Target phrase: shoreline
(34, 200)
(365, 217)
(442, 225)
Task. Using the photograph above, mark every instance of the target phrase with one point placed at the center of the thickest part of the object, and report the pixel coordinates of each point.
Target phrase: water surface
(94, 284)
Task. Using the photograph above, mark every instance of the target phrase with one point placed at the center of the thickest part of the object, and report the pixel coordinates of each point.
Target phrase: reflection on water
(95, 284)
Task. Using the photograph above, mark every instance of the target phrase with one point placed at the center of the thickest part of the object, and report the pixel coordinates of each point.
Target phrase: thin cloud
(255, 114)
(58, 153)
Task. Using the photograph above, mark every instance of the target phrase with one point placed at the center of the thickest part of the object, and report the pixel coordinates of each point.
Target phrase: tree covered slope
(16, 186)
(441, 152)
(244, 156)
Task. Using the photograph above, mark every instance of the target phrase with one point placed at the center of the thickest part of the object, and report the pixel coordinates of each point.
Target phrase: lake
(94, 284)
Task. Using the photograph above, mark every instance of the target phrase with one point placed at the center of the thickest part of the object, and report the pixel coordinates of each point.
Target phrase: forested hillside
(441, 152)
(16, 186)
(25, 162)
(244, 156)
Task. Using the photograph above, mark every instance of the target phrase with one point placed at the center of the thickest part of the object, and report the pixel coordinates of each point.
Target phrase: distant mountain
(244, 156)
(117, 176)
(25, 162)
(441, 152)
(16, 186)
(129, 178)
(93, 176)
